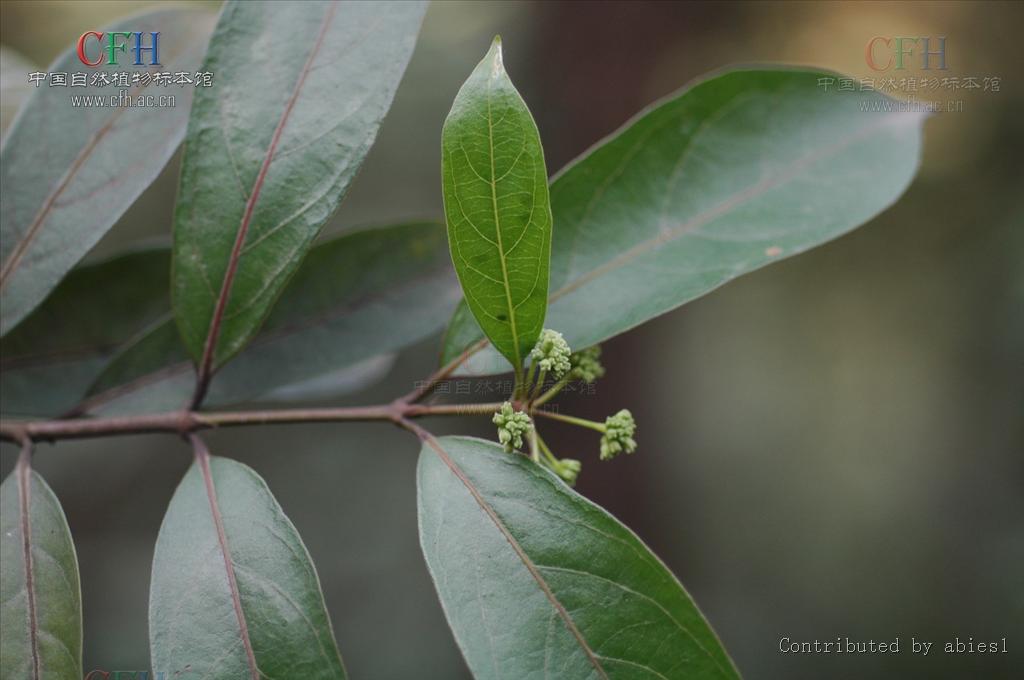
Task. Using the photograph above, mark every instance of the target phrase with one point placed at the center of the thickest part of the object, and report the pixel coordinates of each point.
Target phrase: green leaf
(733, 173)
(233, 587)
(68, 173)
(355, 300)
(41, 617)
(270, 153)
(49, 361)
(335, 383)
(15, 88)
(496, 202)
(537, 580)
(107, 330)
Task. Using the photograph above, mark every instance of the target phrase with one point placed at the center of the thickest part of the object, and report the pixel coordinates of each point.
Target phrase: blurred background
(828, 447)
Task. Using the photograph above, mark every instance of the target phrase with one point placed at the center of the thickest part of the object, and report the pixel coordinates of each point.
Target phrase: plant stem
(519, 378)
(185, 423)
(555, 463)
(535, 390)
(582, 422)
(416, 410)
(524, 392)
(190, 421)
(555, 389)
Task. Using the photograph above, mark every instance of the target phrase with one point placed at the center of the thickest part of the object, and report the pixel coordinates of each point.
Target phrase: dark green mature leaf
(496, 202)
(41, 616)
(49, 361)
(270, 153)
(68, 173)
(537, 581)
(233, 588)
(335, 383)
(733, 173)
(107, 329)
(356, 299)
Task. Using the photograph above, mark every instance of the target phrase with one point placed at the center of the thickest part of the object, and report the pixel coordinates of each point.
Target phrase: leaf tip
(494, 55)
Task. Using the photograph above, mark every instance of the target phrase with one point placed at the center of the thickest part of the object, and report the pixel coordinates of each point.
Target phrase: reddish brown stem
(189, 421)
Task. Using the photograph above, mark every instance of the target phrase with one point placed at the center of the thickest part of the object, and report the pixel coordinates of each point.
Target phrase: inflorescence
(552, 356)
(512, 425)
(551, 353)
(618, 435)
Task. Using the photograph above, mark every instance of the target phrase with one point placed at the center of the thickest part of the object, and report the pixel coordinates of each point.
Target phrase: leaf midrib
(203, 460)
(24, 472)
(647, 557)
(644, 596)
(497, 228)
(532, 568)
(214, 328)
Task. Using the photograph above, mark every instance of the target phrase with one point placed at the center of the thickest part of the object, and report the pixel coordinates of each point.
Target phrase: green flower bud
(552, 353)
(569, 469)
(512, 425)
(618, 435)
(586, 364)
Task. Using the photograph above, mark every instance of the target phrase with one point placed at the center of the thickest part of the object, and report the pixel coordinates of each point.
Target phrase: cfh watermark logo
(115, 43)
(882, 53)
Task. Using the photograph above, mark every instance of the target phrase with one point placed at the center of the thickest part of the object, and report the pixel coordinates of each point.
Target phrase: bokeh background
(829, 447)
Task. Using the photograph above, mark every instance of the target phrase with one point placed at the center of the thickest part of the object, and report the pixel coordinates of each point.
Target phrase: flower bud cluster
(512, 425)
(619, 430)
(586, 364)
(551, 353)
(569, 469)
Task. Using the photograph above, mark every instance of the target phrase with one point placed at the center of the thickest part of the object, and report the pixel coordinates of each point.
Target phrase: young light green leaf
(67, 173)
(536, 581)
(49, 361)
(496, 202)
(356, 298)
(735, 172)
(234, 593)
(270, 153)
(40, 597)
